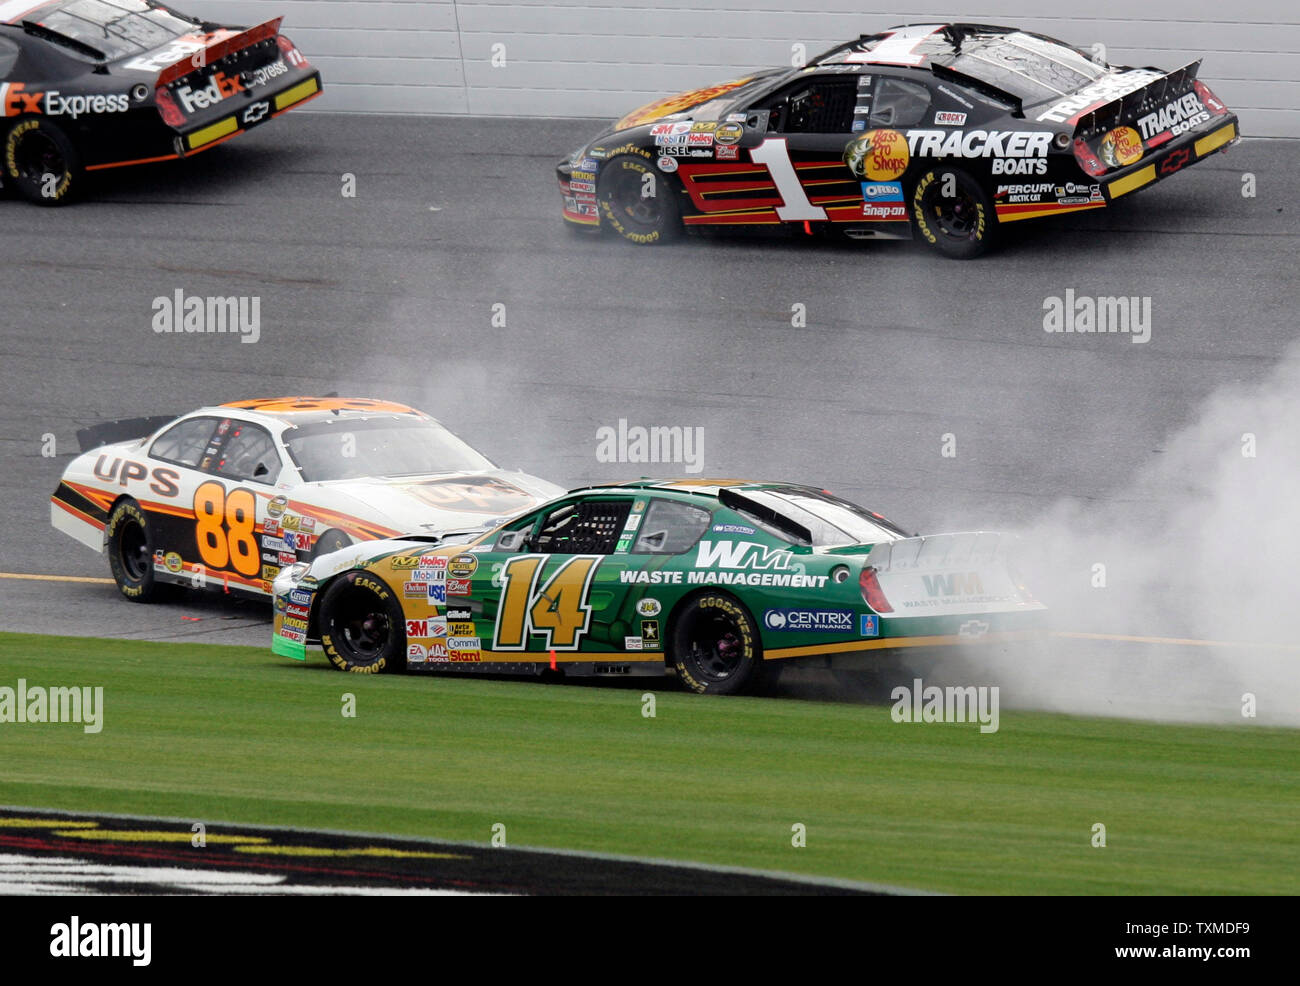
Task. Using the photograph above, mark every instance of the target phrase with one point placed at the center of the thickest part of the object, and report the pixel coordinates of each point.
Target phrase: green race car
(722, 581)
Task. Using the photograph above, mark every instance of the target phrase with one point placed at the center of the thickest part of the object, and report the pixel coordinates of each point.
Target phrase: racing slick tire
(962, 225)
(331, 540)
(362, 628)
(715, 647)
(41, 162)
(130, 550)
(627, 209)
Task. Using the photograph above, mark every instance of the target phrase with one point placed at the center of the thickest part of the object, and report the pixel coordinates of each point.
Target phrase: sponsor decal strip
(570, 657)
(1032, 210)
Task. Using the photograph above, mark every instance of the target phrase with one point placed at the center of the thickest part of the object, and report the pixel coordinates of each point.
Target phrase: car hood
(693, 99)
(434, 504)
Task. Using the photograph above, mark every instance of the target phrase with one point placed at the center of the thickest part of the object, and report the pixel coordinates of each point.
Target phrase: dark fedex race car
(938, 131)
(722, 581)
(87, 85)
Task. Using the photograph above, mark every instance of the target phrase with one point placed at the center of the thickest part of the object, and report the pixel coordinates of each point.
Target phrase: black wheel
(41, 163)
(130, 553)
(362, 628)
(637, 201)
(953, 213)
(331, 540)
(715, 646)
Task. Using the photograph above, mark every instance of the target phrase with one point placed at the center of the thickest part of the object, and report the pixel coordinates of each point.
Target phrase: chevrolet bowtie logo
(256, 112)
(973, 628)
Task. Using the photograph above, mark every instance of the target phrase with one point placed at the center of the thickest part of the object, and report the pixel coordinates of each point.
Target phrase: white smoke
(1203, 545)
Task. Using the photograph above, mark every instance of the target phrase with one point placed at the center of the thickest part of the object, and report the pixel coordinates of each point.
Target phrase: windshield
(830, 521)
(381, 447)
(116, 27)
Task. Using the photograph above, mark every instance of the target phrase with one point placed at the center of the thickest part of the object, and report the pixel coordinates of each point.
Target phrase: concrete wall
(600, 58)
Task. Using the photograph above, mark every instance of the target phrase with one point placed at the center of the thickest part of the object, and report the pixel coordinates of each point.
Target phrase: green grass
(236, 734)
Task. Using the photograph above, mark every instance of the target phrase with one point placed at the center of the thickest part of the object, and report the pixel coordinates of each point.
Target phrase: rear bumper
(250, 110)
(1173, 156)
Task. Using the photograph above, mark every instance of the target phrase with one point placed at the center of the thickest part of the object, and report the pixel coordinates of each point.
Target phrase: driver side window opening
(587, 527)
(821, 107)
(183, 443)
(898, 103)
(248, 453)
(671, 527)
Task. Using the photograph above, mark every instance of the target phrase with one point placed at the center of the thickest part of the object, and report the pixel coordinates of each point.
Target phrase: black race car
(943, 131)
(87, 85)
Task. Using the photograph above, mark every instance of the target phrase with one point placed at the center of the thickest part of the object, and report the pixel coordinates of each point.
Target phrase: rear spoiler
(120, 431)
(218, 50)
(935, 551)
(946, 575)
(1107, 115)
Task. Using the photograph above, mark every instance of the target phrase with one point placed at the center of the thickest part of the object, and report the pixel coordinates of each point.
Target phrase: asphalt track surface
(392, 294)
(64, 853)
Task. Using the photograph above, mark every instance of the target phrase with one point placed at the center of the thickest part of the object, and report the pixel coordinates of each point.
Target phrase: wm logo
(740, 554)
(954, 584)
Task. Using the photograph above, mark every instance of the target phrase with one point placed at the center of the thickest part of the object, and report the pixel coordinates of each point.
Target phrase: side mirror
(511, 540)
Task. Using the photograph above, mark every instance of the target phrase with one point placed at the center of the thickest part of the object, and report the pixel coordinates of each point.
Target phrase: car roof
(291, 412)
(689, 486)
(906, 46)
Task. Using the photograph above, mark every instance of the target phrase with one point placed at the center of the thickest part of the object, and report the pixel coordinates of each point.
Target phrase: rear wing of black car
(1127, 108)
(122, 430)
